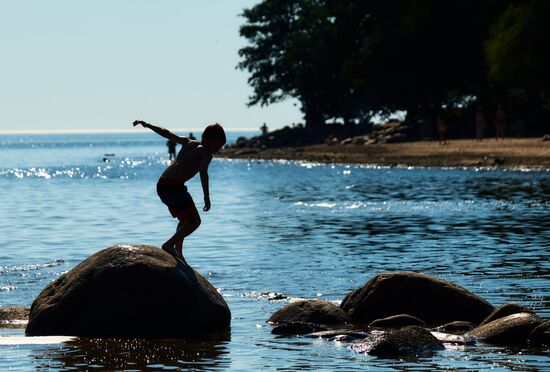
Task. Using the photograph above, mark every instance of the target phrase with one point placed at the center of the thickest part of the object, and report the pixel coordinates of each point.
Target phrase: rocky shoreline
(405, 313)
(513, 153)
(395, 314)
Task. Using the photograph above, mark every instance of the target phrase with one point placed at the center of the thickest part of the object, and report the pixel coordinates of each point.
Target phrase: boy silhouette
(194, 157)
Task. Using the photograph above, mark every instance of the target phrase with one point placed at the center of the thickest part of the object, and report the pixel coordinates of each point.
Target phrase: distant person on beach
(481, 124)
(264, 129)
(171, 149)
(194, 157)
(191, 136)
(442, 129)
(501, 121)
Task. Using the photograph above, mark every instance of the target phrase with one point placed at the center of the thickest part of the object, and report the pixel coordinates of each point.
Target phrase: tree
(518, 48)
(292, 53)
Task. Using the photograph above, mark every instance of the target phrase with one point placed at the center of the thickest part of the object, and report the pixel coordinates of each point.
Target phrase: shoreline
(511, 153)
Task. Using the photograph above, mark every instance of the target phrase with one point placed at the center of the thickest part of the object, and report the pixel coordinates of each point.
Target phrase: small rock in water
(405, 341)
(505, 310)
(310, 311)
(274, 296)
(512, 329)
(14, 317)
(447, 338)
(336, 333)
(457, 327)
(541, 334)
(397, 321)
(296, 328)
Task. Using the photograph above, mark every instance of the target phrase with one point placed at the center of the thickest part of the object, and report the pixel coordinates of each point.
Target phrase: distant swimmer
(194, 157)
(171, 149)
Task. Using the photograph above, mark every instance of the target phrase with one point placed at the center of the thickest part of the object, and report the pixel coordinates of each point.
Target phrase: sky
(98, 65)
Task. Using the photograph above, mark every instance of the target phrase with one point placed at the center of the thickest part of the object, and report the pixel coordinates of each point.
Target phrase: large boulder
(433, 300)
(407, 341)
(310, 311)
(505, 310)
(512, 329)
(129, 291)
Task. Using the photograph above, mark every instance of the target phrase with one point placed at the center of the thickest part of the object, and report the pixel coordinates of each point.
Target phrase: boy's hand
(138, 122)
(206, 204)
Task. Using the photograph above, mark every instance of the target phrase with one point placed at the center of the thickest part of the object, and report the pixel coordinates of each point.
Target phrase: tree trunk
(313, 116)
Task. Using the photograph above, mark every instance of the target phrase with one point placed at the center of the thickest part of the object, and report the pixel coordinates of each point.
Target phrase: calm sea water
(305, 230)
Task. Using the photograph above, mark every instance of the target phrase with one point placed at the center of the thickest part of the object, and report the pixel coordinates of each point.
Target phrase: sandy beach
(530, 153)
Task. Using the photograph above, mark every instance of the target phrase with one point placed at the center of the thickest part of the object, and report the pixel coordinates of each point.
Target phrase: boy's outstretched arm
(204, 180)
(162, 131)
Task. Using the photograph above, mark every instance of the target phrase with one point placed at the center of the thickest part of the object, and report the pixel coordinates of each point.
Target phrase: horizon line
(108, 131)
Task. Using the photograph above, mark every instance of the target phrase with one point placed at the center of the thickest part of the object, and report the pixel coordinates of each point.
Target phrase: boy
(193, 157)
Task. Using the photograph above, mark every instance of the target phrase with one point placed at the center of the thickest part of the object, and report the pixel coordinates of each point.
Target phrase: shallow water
(301, 229)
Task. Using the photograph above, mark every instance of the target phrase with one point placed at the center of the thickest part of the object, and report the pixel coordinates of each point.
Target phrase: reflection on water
(302, 230)
(124, 354)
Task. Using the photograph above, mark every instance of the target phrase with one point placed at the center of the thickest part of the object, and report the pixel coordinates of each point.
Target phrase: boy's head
(213, 137)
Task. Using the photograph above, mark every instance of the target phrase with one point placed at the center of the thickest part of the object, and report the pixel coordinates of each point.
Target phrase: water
(305, 230)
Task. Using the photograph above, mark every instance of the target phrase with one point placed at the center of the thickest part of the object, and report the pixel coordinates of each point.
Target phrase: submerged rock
(541, 334)
(457, 327)
(411, 340)
(397, 321)
(339, 334)
(447, 338)
(512, 329)
(129, 291)
(505, 310)
(433, 300)
(297, 328)
(310, 311)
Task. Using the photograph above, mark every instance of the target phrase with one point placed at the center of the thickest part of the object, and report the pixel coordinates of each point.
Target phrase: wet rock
(459, 327)
(411, 340)
(505, 310)
(14, 317)
(129, 291)
(296, 328)
(336, 333)
(274, 296)
(512, 329)
(246, 152)
(433, 300)
(397, 321)
(447, 338)
(310, 311)
(540, 334)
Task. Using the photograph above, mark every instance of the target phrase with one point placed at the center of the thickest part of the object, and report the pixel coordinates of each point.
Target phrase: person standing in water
(171, 149)
(194, 157)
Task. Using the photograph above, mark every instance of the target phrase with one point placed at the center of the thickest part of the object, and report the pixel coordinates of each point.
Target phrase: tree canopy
(348, 59)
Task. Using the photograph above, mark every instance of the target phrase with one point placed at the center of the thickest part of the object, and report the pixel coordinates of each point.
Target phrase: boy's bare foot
(172, 250)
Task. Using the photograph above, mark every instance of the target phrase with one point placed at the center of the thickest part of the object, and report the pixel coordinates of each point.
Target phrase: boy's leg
(179, 245)
(189, 222)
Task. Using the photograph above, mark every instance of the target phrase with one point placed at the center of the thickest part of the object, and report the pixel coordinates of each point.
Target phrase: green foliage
(348, 59)
(518, 48)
